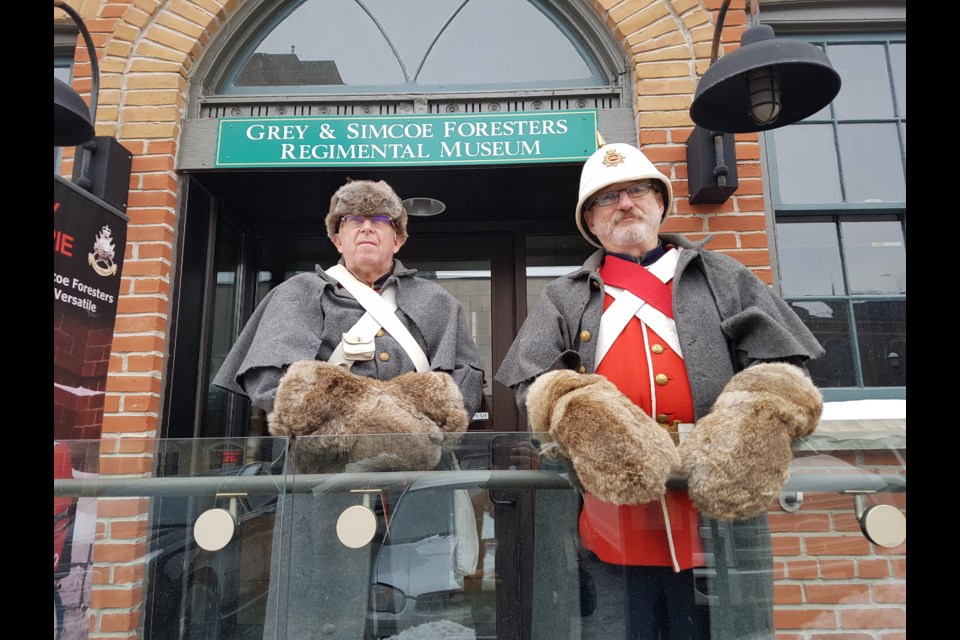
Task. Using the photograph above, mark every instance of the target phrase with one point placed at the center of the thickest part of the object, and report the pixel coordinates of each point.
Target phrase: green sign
(353, 141)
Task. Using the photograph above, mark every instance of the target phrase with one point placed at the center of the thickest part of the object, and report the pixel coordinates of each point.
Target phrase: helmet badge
(612, 158)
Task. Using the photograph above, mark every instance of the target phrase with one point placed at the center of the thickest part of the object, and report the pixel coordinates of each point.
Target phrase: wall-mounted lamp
(101, 164)
(73, 120)
(765, 84)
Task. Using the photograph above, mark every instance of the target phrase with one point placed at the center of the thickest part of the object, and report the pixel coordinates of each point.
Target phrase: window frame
(844, 211)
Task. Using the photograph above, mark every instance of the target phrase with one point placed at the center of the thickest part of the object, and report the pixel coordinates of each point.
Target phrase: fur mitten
(737, 458)
(620, 454)
(402, 421)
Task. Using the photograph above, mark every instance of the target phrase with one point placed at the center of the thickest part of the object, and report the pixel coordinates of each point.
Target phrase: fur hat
(366, 198)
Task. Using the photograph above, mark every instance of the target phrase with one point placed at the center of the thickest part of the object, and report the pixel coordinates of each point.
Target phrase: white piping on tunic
(626, 305)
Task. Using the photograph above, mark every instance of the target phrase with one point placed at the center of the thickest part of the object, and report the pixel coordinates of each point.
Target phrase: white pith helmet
(613, 163)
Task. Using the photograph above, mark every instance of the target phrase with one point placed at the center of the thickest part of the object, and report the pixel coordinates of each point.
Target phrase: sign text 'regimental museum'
(346, 141)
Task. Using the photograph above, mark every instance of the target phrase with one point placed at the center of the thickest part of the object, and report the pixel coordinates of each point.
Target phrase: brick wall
(832, 583)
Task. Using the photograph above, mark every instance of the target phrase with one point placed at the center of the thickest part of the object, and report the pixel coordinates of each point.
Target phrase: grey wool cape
(726, 317)
(726, 320)
(305, 317)
(318, 586)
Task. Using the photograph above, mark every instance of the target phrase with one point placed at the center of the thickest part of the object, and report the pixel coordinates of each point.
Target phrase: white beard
(624, 236)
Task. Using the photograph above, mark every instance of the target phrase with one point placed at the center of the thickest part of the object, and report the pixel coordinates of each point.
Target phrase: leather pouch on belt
(357, 348)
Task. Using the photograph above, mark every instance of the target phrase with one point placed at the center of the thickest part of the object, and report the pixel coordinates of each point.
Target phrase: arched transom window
(412, 46)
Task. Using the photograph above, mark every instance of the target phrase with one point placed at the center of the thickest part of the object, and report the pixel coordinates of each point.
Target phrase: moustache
(633, 213)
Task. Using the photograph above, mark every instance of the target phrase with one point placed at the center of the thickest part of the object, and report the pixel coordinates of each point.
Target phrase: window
(838, 182)
(369, 46)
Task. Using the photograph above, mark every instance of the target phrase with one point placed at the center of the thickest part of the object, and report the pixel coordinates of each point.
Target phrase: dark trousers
(660, 605)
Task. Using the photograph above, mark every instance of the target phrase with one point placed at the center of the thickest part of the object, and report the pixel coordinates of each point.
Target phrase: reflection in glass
(876, 257)
(807, 164)
(322, 43)
(829, 323)
(226, 294)
(205, 594)
(357, 44)
(549, 257)
(872, 166)
(469, 282)
(881, 333)
(809, 257)
(865, 82)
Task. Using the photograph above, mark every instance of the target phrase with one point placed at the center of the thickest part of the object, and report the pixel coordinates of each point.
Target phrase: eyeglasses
(352, 221)
(635, 191)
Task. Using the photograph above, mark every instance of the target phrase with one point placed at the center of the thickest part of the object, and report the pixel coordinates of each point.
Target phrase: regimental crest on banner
(102, 258)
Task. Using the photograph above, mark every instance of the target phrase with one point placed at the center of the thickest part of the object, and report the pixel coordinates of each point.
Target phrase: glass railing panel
(74, 534)
(181, 531)
(393, 535)
(479, 536)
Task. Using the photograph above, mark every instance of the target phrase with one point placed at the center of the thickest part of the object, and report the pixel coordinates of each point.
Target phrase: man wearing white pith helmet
(621, 359)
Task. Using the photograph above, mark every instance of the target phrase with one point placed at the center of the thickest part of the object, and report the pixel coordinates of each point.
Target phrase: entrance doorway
(505, 232)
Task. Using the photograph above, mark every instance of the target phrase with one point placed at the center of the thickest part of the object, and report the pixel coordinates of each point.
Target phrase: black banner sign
(89, 240)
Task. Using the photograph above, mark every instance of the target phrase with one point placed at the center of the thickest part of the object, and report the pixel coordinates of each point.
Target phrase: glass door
(479, 271)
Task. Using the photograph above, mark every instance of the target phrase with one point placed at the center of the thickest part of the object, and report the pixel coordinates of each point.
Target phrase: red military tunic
(636, 364)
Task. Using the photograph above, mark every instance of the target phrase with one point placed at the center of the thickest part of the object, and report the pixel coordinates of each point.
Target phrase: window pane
(872, 167)
(323, 43)
(807, 164)
(809, 256)
(882, 336)
(470, 282)
(217, 410)
(413, 38)
(548, 258)
(830, 324)
(876, 257)
(898, 63)
(865, 88)
(524, 48)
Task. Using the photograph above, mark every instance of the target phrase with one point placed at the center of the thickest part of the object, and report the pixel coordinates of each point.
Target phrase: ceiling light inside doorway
(424, 207)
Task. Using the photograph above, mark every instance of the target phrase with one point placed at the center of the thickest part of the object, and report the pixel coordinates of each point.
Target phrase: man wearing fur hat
(308, 328)
(656, 340)
(362, 348)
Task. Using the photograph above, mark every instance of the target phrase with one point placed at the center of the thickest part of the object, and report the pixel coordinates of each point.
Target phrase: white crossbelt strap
(380, 313)
(626, 305)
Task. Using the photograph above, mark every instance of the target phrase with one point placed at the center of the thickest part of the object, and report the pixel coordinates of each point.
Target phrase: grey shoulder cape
(305, 317)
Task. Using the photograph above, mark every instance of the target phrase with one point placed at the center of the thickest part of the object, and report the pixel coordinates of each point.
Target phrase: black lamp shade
(71, 116)
(808, 83)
